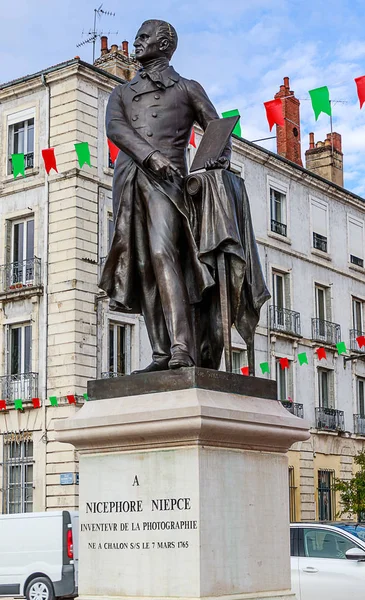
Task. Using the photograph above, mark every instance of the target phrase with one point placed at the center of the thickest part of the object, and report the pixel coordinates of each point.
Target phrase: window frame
(115, 326)
(330, 388)
(24, 328)
(360, 397)
(361, 304)
(24, 460)
(329, 490)
(358, 223)
(243, 359)
(283, 189)
(11, 124)
(322, 205)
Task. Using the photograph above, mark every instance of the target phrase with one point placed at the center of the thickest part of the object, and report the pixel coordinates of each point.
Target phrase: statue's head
(155, 39)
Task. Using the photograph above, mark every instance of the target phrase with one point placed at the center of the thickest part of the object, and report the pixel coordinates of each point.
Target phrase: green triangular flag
(265, 367)
(17, 161)
(233, 113)
(18, 404)
(83, 154)
(341, 348)
(321, 101)
(86, 397)
(53, 400)
(303, 358)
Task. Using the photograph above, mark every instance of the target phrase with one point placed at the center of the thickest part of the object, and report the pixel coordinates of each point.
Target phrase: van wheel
(39, 588)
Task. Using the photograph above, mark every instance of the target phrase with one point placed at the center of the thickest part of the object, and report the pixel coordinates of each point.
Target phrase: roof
(57, 67)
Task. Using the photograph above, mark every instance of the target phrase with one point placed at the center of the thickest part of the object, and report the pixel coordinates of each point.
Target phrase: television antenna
(93, 34)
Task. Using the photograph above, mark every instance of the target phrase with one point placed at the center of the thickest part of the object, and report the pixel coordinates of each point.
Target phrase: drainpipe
(44, 320)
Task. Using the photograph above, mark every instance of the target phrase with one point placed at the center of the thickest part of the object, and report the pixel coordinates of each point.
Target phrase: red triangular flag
(274, 113)
(284, 363)
(361, 340)
(36, 402)
(49, 159)
(71, 399)
(360, 84)
(192, 141)
(321, 353)
(113, 150)
(2, 404)
(245, 371)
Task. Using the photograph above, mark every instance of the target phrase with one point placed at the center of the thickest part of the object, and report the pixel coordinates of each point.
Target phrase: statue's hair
(165, 31)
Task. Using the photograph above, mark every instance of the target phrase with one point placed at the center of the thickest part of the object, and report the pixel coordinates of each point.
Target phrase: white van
(39, 555)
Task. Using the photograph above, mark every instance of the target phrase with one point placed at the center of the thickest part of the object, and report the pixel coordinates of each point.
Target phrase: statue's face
(146, 44)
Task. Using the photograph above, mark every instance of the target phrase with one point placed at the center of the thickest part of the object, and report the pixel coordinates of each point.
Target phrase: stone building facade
(56, 331)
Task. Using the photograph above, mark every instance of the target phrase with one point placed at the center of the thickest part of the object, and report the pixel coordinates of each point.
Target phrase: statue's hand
(221, 163)
(162, 167)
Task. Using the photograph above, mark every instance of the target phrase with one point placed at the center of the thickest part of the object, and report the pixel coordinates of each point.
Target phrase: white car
(327, 561)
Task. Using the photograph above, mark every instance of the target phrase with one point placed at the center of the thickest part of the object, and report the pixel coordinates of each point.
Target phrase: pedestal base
(184, 494)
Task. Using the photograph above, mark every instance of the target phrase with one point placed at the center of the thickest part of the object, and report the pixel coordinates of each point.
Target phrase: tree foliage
(352, 492)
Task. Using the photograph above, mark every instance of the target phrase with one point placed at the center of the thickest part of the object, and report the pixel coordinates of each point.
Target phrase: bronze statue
(154, 265)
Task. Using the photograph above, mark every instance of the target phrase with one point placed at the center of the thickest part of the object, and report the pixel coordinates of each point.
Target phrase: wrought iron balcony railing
(359, 424)
(22, 274)
(325, 331)
(282, 319)
(355, 260)
(278, 227)
(21, 385)
(109, 374)
(294, 408)
(330, 419)
(319, 242)
(28, 162)
(354, 346)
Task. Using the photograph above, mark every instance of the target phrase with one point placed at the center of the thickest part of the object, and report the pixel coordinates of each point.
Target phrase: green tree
(352, 492)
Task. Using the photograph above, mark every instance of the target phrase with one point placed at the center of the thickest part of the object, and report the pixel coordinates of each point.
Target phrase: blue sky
(239, 50)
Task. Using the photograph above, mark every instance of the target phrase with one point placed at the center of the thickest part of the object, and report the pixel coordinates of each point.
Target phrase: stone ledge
(181, 379)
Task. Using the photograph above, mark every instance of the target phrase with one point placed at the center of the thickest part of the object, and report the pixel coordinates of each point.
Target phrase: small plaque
(66, 478)
(213, 141)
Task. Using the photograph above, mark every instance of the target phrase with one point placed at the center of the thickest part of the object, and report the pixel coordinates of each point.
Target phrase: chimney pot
(311, 141)
(125, 47)
(286, 83)
(104, 45)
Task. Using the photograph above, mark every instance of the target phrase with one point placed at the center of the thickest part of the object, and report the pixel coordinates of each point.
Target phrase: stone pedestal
(183, 491)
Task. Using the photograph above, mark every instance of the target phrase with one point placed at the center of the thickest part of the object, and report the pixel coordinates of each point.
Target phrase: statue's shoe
(161, 365)
(180, 359)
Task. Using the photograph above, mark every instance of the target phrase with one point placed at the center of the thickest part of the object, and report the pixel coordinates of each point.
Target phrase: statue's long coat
(142, 117)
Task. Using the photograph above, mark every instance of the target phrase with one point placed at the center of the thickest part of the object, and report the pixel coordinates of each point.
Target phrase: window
(20, 349)
(319, 225)
(18, 473)
(110, 230)
(279, 295)
(357, 315)
(281, 318)
(239, 360)
(292, 488)
(356, 241)
(322, 303)
(325, 388)
(326, 495)
(21, 141)
(119, 350)
(361, 397)
(323, 543)
(22, 252)
(278, 212)
(284, 383)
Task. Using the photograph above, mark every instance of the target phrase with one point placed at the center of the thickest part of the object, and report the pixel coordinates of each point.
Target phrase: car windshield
(356, 530)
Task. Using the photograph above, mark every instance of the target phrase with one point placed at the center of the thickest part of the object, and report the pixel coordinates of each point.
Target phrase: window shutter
(356, 238)
(319, 218)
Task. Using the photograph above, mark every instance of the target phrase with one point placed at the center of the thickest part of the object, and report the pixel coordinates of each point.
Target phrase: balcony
(326, 332)
(21, 385)
(287, 321)
(330, 419)
(278, 227)
(319, 242)
(19, 275)
(359, 424)
(294, 408)
(354, 346)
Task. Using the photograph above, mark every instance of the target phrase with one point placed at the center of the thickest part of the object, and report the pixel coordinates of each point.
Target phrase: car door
(294, 561)
(324, 570)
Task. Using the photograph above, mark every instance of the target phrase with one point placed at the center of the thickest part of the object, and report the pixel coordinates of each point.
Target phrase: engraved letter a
(135, 482)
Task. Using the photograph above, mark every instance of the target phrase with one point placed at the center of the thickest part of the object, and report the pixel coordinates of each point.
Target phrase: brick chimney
(326, 158)
(117, 60)
(288, 137)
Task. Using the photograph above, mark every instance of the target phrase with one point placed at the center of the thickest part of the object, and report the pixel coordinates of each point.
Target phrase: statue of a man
(153, 265)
